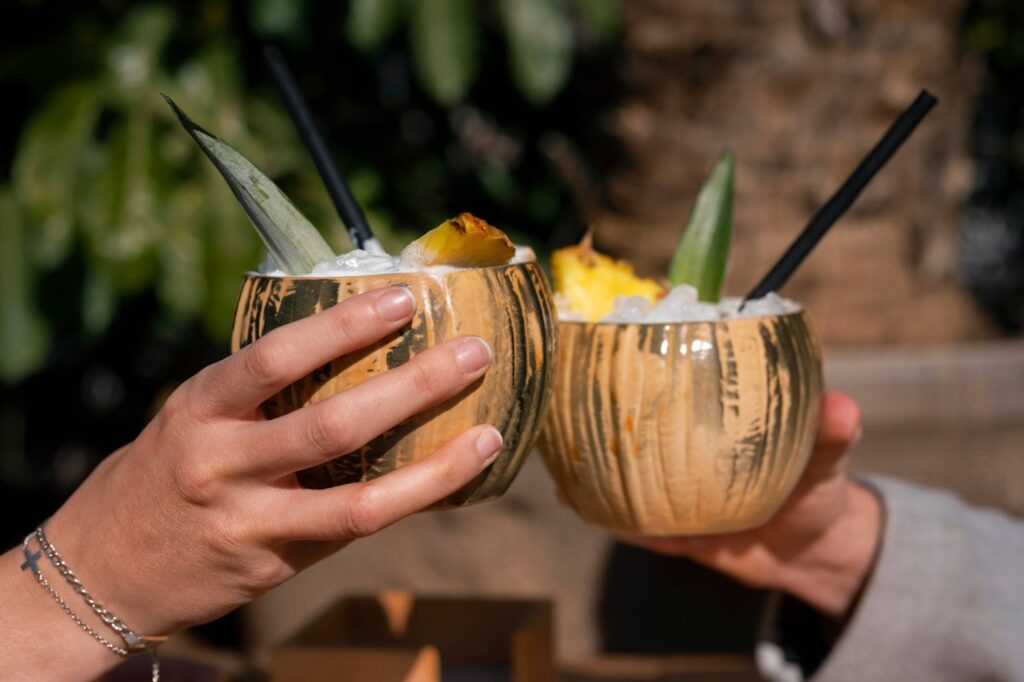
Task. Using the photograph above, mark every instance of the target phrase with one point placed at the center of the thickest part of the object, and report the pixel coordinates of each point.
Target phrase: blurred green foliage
(445, 35)
(991, 252)
(103, 167)
(102, 177)
(995, 30)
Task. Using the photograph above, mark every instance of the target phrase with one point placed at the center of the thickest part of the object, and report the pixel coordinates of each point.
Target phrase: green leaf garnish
(703, 252)
(293, 242)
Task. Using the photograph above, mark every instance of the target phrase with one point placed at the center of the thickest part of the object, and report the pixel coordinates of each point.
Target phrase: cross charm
(30, 560)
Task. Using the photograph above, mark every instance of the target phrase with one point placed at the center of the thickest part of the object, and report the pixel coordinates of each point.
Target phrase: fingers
(838, 430)
(360, 509)
(347, 421)
(242, 381)
(840, 420)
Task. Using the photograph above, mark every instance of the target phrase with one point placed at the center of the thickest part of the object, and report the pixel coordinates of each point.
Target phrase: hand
(820, 545)
(202, 512)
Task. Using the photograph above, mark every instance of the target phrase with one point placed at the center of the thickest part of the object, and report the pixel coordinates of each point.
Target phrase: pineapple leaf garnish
(703, 252)
(293, 242)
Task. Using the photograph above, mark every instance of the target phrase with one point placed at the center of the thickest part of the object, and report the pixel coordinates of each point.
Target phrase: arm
(944, 600)
(202, 513)
(901, 592)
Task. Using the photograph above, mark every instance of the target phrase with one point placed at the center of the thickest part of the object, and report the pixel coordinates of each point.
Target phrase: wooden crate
(327, 664)
(478, 639)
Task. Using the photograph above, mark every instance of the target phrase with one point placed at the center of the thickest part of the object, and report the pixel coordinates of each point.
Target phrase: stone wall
(801, 91)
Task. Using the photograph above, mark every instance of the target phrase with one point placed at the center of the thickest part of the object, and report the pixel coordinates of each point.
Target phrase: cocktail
(674, 412)
(672, 416)
(467, 278)
(681, 417)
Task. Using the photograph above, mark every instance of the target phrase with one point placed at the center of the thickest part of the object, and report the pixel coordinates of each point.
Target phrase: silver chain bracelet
(134, 643)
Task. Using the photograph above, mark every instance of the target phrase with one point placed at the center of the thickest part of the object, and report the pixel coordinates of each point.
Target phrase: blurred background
(122, 250)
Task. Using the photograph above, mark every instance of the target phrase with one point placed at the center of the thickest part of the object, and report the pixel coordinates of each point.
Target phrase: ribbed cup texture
(509, 306)
(682, 429)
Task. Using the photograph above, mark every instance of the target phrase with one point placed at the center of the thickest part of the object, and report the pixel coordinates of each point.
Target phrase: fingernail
(488, 444)
(857, 436)
(473, 354)
(396, 304)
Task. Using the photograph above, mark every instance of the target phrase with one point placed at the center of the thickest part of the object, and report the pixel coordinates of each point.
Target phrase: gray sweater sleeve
(945, 600)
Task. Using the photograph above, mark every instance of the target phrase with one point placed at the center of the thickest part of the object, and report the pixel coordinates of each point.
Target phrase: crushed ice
(360, 262)
(681, 305)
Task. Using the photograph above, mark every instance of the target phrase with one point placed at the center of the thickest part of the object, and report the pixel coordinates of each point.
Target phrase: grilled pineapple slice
(589, 281)
(463, 240)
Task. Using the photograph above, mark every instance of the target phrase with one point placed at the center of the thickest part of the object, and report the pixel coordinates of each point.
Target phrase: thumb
(839, 429)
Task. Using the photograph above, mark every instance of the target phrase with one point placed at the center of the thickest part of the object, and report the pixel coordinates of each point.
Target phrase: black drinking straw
(350, 211)
(835, 207)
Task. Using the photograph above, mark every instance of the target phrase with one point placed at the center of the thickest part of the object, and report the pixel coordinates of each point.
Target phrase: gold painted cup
(510, 306)
(682, 429)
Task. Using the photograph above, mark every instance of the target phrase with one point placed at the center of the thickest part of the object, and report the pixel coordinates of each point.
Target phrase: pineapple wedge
(463, 240)
(589, 281)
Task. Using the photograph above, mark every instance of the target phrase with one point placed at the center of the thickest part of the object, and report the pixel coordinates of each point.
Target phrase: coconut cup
(682, 429)
(510, 306)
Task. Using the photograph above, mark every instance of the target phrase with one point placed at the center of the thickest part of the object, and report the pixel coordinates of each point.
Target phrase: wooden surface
(681, 429)
(800, 91)
(490, 638)
(324, 664)
(510, 306)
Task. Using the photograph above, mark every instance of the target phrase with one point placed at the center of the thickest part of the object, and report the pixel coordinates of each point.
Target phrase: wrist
(110, 576)
(832, 573)
(106, 549)
(37, 639)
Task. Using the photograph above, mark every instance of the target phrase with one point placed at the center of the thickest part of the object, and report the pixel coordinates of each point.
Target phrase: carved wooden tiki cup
(510, 306)
(686, 428)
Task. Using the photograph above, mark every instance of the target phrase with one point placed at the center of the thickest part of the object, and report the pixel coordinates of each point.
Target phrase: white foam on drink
(681, 305)
(359, 262)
